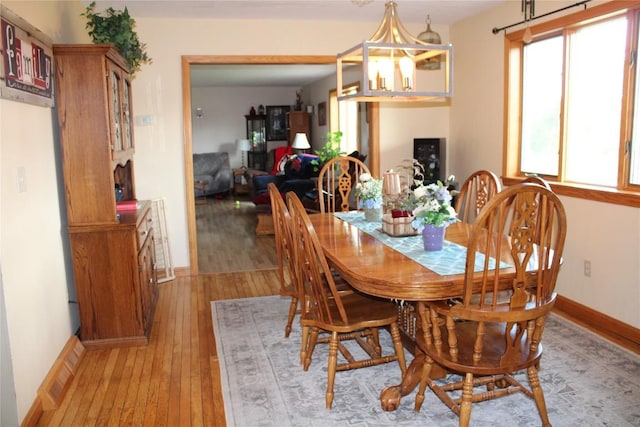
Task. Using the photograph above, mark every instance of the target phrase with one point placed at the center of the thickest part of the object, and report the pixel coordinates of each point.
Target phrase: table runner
(450, 260)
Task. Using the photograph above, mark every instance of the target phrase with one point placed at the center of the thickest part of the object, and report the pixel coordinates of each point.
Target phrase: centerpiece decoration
(432, 213)
(398, 198)
(369, 192)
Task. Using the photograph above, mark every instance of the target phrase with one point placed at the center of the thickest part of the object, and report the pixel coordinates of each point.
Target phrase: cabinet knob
(144, 233)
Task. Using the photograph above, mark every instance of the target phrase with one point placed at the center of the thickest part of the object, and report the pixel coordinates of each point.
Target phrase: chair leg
(293, 307)
(538, 395)
(304, 344)
(313, 339)
(424, 379)
(465, 405)
(399, 348)
(331, 368)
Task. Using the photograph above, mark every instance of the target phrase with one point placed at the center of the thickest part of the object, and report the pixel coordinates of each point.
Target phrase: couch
(214, 171)
(290, 173)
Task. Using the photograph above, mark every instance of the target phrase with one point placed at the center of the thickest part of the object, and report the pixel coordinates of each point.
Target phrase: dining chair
(485, 341)
(286, 268)
(535, 179)
(284, 252)
(346, 317)
(336, 182)
(475, 192)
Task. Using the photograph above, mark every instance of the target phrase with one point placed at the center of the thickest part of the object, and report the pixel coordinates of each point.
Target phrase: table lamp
(244, 146)
(300, 142)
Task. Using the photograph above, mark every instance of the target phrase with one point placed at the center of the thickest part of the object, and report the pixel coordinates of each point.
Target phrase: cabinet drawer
(145, 227)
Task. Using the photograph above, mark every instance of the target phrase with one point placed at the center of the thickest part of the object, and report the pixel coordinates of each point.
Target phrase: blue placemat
(450, 260)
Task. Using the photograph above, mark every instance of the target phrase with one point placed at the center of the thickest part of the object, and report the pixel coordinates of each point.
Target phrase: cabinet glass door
(114, 82)
(126, 115)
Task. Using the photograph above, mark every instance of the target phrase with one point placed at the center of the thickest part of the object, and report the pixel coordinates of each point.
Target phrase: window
(347, 120)
(573, 108)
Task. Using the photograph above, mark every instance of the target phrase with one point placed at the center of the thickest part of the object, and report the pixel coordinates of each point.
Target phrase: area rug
(587, 380)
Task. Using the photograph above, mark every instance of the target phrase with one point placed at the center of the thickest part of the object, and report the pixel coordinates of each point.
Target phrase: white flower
(420, 191)
(364, 177)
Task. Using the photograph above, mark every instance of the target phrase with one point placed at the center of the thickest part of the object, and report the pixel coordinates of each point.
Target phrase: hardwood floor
(223, 223)
(175, 380)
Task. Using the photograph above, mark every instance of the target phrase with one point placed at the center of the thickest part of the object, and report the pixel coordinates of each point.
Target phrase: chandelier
(386, 66)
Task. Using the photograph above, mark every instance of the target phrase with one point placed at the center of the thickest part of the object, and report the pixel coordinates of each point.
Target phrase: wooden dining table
(374, 268)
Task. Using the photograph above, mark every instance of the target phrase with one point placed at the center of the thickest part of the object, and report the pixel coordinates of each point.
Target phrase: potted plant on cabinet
(117, 27)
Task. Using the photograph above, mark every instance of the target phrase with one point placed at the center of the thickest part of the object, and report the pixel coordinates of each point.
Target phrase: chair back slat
(319, 289)
(336, 182)
(480, 187)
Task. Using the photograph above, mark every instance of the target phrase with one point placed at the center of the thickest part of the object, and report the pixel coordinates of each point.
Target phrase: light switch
(21, 179)
(144, 120)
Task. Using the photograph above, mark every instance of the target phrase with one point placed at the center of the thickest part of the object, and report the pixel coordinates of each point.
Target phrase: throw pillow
(279, 153)
(280, 166)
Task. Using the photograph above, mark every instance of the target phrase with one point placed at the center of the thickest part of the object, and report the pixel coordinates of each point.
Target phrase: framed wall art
(322, 114)
(26, 69)
(277, 122)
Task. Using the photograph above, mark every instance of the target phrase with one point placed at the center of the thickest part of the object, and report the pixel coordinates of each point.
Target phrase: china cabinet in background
(256, 134)
(113, 253)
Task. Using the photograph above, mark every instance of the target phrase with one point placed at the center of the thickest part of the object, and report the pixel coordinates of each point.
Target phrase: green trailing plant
(117, 27)
(329, 150)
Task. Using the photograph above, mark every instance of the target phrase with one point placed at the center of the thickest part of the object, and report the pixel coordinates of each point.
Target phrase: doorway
(187, 62)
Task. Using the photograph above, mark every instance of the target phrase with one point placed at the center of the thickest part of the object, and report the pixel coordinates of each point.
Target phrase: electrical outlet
(587, 268)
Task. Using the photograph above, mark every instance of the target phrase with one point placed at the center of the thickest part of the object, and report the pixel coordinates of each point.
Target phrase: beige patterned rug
(587, 380)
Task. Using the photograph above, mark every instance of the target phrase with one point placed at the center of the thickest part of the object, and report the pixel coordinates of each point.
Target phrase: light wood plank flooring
(225, 224)
(175, 380)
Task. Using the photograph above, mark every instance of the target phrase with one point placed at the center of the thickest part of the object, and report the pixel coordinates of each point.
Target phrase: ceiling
(442, 12)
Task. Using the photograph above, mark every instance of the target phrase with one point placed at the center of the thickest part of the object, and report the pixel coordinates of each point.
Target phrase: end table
(240, 185)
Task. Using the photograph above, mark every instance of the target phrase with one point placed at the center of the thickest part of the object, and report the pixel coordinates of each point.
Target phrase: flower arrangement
(369, 191)
(432, 206)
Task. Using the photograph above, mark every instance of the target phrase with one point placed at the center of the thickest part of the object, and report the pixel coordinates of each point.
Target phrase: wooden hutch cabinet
(113, 254)
(298, 122)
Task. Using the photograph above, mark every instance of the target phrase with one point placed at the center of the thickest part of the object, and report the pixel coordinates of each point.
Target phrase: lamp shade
(244, 145)
(300, 142)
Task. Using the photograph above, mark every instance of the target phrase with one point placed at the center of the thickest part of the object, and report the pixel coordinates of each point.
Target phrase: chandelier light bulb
(407, 67)
(373, 75)
(385, 70)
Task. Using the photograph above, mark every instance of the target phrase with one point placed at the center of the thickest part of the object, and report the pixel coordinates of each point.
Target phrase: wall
(223, 121)
(34, 267)
(607, 235)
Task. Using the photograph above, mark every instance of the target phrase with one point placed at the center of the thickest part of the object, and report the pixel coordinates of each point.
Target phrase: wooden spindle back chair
(475, 193)
(534, 179)
(486, 339)
(336, 182)
(284, 252)
(346, 317)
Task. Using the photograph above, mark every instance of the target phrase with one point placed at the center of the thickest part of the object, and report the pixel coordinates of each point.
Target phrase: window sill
(597, 194)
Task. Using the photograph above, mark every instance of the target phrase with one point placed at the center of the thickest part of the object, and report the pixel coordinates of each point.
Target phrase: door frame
(187, 61)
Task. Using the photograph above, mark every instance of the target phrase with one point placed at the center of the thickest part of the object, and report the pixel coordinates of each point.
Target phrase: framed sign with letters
(26, 69)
